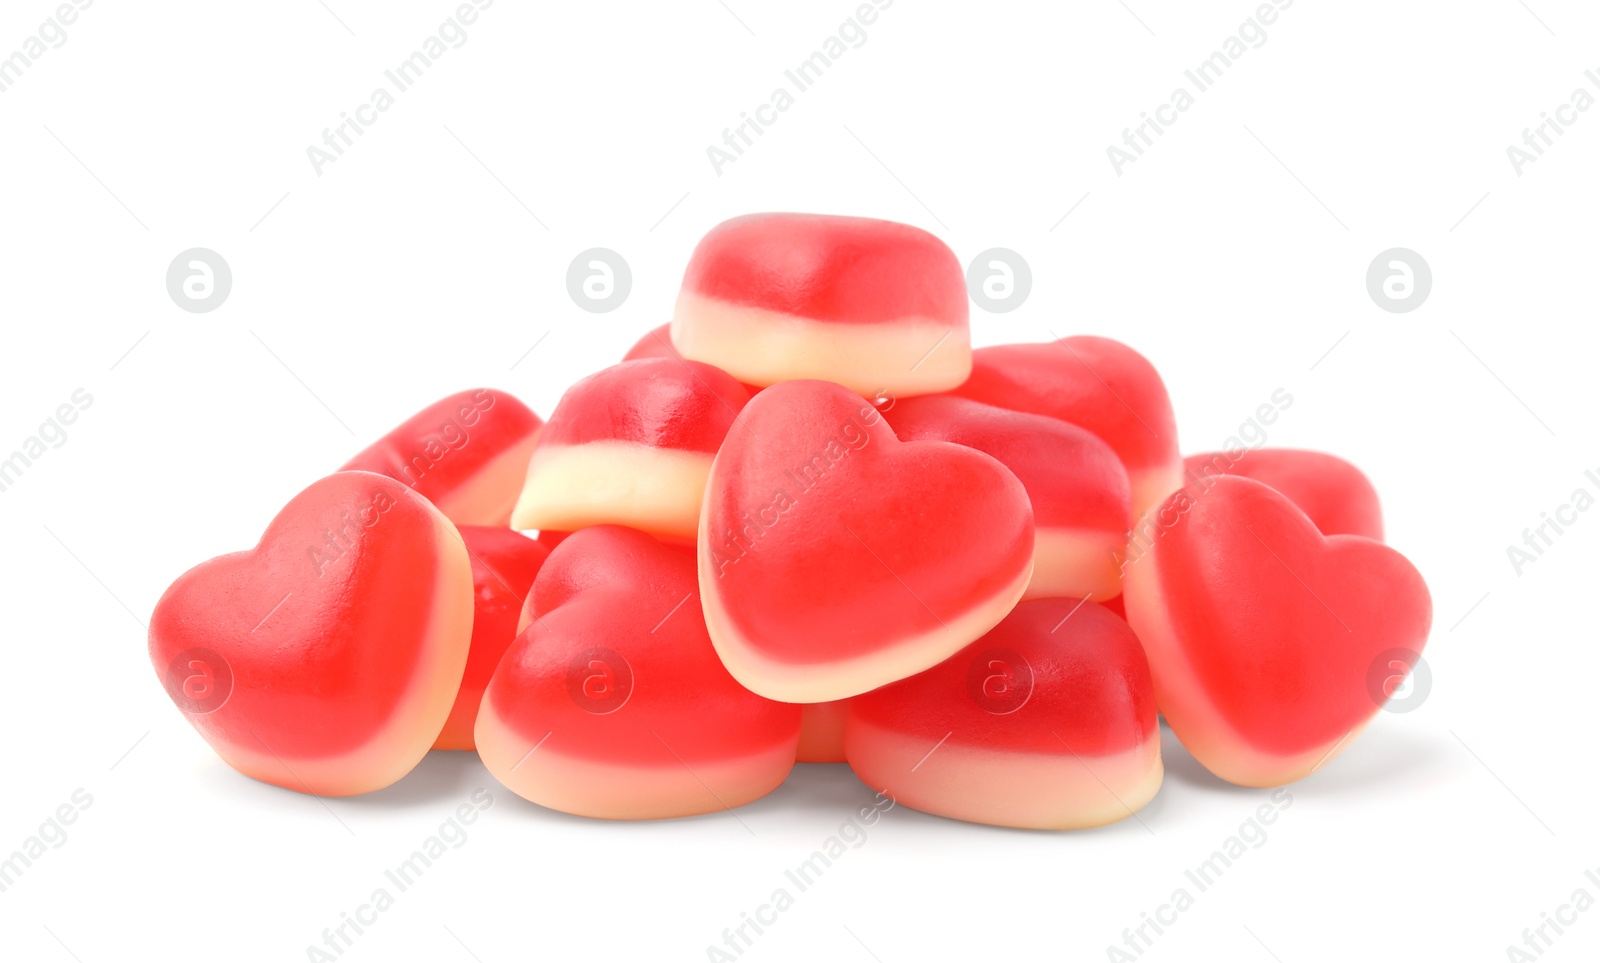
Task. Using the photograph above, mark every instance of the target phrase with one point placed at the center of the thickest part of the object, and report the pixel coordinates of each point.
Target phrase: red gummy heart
(835, 558)
(1337, 497)
(630, 445)
(1094, 383)
(1263, 633)
(466, 453)
(325, 659)
(612, 703)
(872, 305)
(1047, 722)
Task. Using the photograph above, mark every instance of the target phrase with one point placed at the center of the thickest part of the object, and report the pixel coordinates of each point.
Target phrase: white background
(433, 254)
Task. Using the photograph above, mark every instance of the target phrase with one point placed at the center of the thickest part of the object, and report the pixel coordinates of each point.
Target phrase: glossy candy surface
(1271, 644)
(630, 445)
(1047, 722)
(324, 660)
(874, 305)
(1095, 383)
(613, 703)
(835, 558)
(1078, 487)
(466, 453)
(504, 563)
(1336, 495)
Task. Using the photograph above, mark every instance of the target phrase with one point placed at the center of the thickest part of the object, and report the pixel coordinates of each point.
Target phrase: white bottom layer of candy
(1189, 709)
(900, 358)
(656, 490)
(603, 790)
(842, 678)
(488, 498)
(1075, 563)
(411, 728)
(1151, 486)
(1004, 788)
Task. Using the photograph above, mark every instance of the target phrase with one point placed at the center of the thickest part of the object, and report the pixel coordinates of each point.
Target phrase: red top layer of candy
(449, 441)
(851, 270)
(660, 402)
(1095, 383)
(1058, 677)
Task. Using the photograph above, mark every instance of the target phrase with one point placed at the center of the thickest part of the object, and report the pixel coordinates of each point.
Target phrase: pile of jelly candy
(806, 522)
